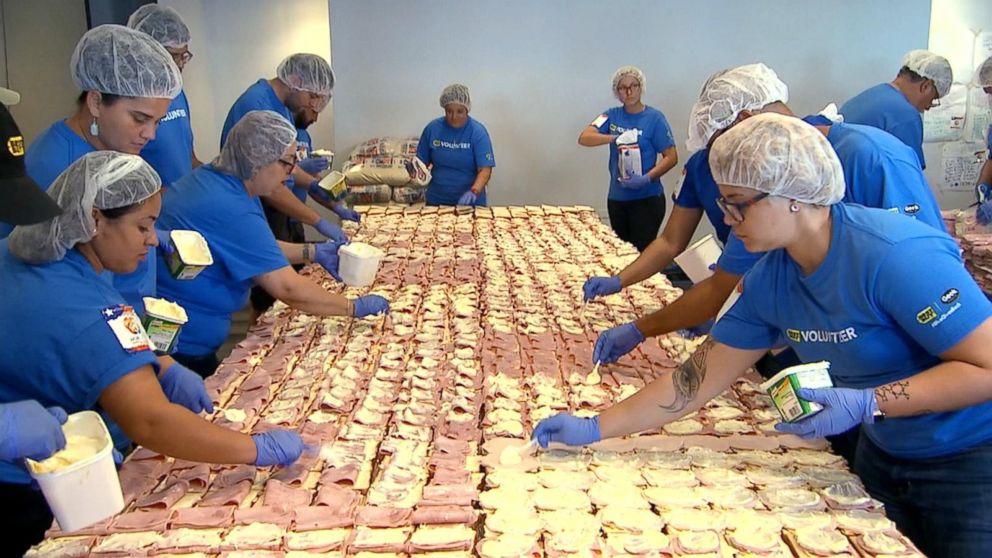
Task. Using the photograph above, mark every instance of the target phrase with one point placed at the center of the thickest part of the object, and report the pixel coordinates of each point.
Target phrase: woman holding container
(842, 283)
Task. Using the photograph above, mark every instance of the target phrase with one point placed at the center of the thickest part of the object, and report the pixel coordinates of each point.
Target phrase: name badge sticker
(124, 322)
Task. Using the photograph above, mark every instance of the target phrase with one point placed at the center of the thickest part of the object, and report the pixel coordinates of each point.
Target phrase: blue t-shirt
(885, 107)
(218, 207)
(57, 346)
(654, 136)
(171, 152)
(457, 155)
(697, 189)
(51, 153)
(891, 295)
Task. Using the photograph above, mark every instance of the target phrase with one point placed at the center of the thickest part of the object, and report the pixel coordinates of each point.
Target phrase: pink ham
(226, 496)
(165, 497)
(278, 494)
(315, 518)
(337, 498)
(297, 473)
(444, 495)
(453, 475)
(345, 475)
(231, 477)
(281, 515)
(155, 520)
(97, 529)
(381, 516)
(444, 515)
(142, 454)
(325, 432)
(196, 477)
(763, 443)
(137, 477)
(202, 518)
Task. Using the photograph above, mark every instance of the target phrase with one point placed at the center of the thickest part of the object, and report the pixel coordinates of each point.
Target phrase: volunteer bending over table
(69, 339)
(908, 346)
(220, 200)
(984, 186)
(128, 80)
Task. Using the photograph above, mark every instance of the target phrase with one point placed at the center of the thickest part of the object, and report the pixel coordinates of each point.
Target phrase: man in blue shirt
(984, 187)
(171, 153)
(896, 107)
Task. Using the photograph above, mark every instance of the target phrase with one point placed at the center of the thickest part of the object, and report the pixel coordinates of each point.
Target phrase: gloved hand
(616, 342)
(468, 198)
(164, 242)
(984, 214)
(635, 182)
(319, 193)
(29, 430)
(567, 429)
(326, 254)
(330, 230)
(346, 213)
(277, 447)
(370, 304)
(184, 387)
(843, 409)
(600, 286)
(313, 165)
(983, 192)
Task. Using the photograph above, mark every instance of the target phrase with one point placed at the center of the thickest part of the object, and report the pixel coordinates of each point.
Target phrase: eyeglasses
(181, 58)
(936, 94)
(628, 88)
(735, 210)
(290, 165)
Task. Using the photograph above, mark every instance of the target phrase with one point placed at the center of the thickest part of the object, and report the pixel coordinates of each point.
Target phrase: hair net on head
(780, 155)
(162, 23)
(631, 71)
(257, 140)
(726, 94)
(121, 61)
(931, 66)
(458, 94)
(984, 73)
(100, 179)
(307, 72)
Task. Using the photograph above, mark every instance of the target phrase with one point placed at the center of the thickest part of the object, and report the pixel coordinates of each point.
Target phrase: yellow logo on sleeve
(15, 146)
(926, 315)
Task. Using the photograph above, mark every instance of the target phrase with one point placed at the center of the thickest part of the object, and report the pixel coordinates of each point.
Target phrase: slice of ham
(241, 473)
(202, 518)
(381, 516)
(762, 443)
(195, 477)
(278, 493)
(451, 476)
(165, 497)
(449, 494)
(345, 475)
(337, 498)
(155, 520)
(444, 515)
(227, 496)
(281, 515)
(315, 518)
(296, 474)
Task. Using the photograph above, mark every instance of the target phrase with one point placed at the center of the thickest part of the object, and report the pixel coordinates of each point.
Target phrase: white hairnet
(984, 73)
(258, 139)
(100, 179)
(726, 94)
(307, 72)
(121, 61)
(780, 155)
(931, 66)
(631, 71)
(458, 94)
(163, 24)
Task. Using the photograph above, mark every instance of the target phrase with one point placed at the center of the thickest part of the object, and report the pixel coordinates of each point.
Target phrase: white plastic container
(334, 185)
(88, 490)
(190, 254)
(358, 264)
(698, 259)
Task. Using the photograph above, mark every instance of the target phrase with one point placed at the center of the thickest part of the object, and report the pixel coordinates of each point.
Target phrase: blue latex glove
(319, 193)
(313, 165)
(184, 387)
(468, 198)
(567, 429)
(984, 214)
(330, 230)
(29, 430)
(164, 242)
(370, 304)
(983, 192)
(346, 213)
(616, 342)
(600, 286)
(326, 254)
(843, 409)
(277, 447)
(635, 182)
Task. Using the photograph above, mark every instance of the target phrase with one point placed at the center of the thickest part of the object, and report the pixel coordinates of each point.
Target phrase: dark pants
(637, 221)
(27, 518)
(205, 366)
(286, 230)
(944, 504)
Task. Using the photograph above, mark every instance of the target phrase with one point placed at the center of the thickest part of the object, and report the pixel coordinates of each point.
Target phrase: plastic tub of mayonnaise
(190, 254)
(80, 482)
(163, 320)
(334, 185)
(699, 259)
(359, 262)
(783, 388)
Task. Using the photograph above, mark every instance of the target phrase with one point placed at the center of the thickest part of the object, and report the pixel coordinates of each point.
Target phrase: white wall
(540, 71)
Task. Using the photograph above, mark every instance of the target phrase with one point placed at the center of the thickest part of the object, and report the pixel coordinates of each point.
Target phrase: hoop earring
(94, 128)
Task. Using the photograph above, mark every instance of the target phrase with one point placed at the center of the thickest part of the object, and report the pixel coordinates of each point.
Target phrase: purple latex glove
(330, 230)
(635, 182)
(346, 213)
(567, 429)
(326, 254)
(843, 409)
(370, 304)
(313, 165)
(616, 342)
(318, 193)
(984, 214)
(600, 286)
(29, 430)
(184, 387)
(468, 198)
(277, 447)
(164, 242)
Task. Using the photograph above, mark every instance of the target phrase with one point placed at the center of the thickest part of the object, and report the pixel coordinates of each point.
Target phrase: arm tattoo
(689, 377)
(893, 391)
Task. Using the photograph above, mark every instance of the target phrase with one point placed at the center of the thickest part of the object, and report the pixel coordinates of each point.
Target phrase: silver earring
(94, 129)
(794, 208)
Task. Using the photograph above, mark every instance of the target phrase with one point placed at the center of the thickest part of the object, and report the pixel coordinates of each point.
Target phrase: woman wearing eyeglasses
(642, 150)
(221, 201)
(885, 299)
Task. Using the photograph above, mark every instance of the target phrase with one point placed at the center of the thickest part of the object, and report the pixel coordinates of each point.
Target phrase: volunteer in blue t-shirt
(642, 150)
(458, 150)
(69, 339)
(128, 81)
(171, 153)
(897, 106)
(220, 200)
(840, 282)
(984, 186)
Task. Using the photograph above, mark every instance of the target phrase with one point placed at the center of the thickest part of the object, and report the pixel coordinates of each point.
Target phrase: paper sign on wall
(983, 48)
(946, 122)
(961, 163)
(979, 115)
